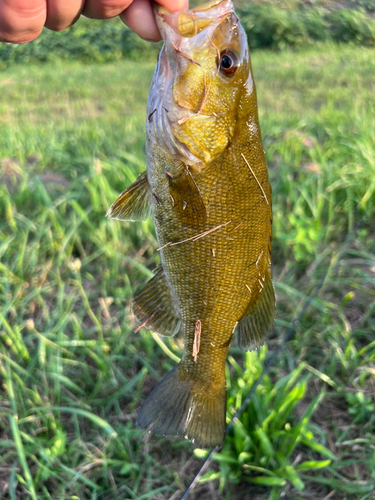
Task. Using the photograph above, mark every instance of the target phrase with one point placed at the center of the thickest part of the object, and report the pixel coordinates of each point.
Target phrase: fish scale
(206, 272)
(207, 186)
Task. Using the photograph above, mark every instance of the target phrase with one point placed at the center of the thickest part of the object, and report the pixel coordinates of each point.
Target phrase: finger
(104, 9)
(21, 20)
(139, 17)
(174, 5)
(62, 13)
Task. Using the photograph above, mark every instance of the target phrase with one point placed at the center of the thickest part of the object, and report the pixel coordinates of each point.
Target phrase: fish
(207, 187)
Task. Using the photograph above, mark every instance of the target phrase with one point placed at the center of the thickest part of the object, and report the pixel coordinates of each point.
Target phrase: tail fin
(182, 406)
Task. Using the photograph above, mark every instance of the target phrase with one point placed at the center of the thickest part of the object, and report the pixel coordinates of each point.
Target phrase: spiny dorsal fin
(133, 204)
(253, 328)
(153, 306)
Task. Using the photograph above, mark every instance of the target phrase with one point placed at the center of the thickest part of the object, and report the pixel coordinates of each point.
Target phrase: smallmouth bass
(207, 186)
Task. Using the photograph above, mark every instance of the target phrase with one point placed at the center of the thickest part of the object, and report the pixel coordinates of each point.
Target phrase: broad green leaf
(224, 458)
(128, 468)
(261, 470)
(209, 476)
(289, 473)
(353, 487)
(266, 480)
(83, 413)
(199, 453)
(313, 465)
(244, 457)
(265, 443)
(319, 448)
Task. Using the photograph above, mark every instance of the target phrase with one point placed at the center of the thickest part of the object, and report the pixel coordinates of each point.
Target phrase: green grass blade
(83, 413)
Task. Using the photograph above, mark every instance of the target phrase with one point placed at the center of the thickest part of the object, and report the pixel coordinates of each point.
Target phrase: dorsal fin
(133, 204)
(254, 326)
(154, 308)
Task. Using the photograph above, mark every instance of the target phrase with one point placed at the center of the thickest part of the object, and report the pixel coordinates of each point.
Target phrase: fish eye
(228, 63)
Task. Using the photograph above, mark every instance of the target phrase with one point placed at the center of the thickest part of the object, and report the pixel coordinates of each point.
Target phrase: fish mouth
(180, 29)
(191, 22)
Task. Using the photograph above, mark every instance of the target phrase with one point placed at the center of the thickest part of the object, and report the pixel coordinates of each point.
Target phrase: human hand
(22, 21)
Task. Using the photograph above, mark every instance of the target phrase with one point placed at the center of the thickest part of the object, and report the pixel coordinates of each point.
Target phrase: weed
(73, 372)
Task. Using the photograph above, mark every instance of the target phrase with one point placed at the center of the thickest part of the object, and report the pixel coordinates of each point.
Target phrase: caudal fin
(181, 406)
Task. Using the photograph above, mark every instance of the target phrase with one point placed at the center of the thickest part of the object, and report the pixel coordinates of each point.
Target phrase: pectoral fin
(154, 308)
(133, 204)
(253, 328)
(186, 198)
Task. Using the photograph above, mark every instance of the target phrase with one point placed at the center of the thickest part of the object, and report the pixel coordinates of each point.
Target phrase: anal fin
(153, 306)
(255, 325)
(133, 204)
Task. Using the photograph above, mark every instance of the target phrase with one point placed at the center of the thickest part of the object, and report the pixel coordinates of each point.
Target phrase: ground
(73, 372)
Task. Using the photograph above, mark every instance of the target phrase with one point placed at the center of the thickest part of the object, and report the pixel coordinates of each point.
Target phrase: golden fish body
(208, 187)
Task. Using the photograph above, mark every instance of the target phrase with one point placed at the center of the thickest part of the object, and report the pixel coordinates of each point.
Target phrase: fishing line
(239, 412)
(288, 336)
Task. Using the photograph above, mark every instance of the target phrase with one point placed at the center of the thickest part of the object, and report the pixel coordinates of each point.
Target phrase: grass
(73, 373)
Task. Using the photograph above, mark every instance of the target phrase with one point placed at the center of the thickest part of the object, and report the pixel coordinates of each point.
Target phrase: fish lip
(167, 22)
